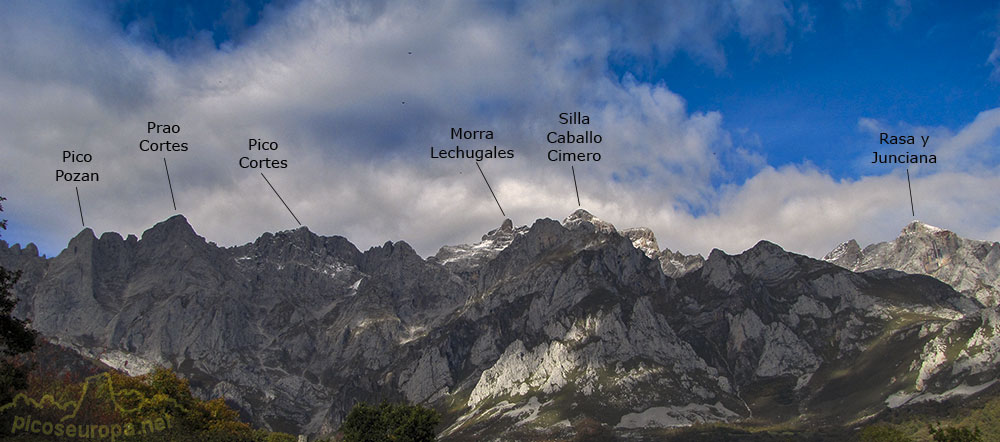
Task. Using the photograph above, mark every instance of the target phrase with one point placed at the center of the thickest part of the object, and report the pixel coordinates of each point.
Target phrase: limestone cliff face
(970, 266)
(530, 330)
(673, 264)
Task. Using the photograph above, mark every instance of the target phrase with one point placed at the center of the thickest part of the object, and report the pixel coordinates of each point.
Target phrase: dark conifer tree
(15, 336)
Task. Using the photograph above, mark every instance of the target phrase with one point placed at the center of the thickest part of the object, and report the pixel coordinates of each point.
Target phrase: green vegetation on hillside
(157, 406)
(390, 422)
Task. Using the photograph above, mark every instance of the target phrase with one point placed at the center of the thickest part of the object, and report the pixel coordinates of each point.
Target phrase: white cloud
(975, 147)
(806, 211)
(871, 125)
(328, 83)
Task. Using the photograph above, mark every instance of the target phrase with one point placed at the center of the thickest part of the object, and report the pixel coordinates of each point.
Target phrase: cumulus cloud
(807, 211)
(972, 149)
(356, 93)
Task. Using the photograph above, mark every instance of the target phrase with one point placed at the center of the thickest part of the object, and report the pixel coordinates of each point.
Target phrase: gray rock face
(29, 263)
(673, 264)
(581, 219)
(676, 264)
(530, 330)
(970, 266)
(644, 240)
(464, 258)
(799, 337)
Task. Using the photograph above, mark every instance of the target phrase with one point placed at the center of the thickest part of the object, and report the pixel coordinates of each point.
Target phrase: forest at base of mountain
(65, 390)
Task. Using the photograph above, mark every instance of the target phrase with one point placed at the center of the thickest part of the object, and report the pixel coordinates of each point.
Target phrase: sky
(722, 122)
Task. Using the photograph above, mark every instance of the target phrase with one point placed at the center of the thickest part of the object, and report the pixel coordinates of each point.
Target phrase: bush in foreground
(390, 422)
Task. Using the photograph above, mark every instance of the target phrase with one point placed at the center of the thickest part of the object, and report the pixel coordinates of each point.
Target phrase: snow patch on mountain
(464, 257)
(530, 408)
(677, 416)
(582, 219)
(900, 398)
(644, 240)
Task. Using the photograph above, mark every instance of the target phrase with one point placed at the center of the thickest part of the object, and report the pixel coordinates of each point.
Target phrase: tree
(390, 422)
(15, 336)
(954, 434)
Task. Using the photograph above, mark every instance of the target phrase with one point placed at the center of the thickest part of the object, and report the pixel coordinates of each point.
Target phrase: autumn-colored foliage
(157, 406)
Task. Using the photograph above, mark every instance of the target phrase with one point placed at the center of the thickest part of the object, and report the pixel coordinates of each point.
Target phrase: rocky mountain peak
(175, 228)
(465, 257)
(845, 255)
(507, 226)
(766, 248)
(393, 250)
(517, 326)
(765, 260)
(583, 219)
(917, 227)
(762, 251)
(545, 232)
(970, 266)
(769, 262)
(717, 256)
(299, 245)
(29, 250)
(504, 233)
(111, 236)
(83, 240)
(643, 239)
(302, 231)
(301, 236)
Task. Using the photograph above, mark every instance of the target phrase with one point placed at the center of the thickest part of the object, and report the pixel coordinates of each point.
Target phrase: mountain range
(535, 330)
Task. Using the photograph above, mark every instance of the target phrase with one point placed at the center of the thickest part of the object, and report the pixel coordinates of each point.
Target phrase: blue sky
(804, 100)
(916, 62)
(725, 122)
(175, 25)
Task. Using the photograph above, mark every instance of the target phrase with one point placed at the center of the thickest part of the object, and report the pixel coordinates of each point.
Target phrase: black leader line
(575, 186)
(910, 186)
(491, 189)
(169, 184)
(80, 206)
(282, 199)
